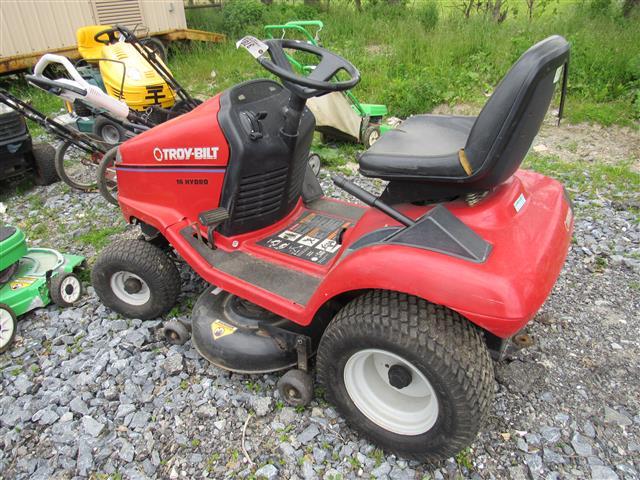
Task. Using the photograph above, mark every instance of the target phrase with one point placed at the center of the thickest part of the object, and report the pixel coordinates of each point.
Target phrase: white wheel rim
(7, 327)
(314, 163)
(70, 289)
(411, 410)
(110, 134)
(118, 280)
(373, 137)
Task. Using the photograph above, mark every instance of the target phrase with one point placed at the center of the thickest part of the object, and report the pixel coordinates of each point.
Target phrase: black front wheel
(414, 377)
(136, 279)
(44, 163)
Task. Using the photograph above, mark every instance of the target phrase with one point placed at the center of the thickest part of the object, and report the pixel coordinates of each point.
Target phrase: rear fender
(457, 284)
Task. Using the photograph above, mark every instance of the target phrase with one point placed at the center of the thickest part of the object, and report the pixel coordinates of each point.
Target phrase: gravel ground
(85, 393)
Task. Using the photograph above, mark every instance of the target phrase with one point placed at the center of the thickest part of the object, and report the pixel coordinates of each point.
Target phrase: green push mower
(339, 115)
(32, 278)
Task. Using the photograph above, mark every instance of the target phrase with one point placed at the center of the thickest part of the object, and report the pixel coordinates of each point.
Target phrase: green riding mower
(339, 115)
(32, 278)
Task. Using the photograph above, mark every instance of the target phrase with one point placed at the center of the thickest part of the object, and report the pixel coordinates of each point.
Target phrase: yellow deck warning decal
(220, 329)
(22, 282)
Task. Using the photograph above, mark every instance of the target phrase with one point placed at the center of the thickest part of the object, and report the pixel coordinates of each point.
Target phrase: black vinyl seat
(434, 158)
(423, 146)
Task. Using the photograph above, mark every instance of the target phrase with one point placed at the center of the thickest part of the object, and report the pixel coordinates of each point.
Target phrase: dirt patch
(576, 142)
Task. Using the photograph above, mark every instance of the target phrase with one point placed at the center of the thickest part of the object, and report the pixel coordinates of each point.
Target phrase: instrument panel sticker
(312, 237)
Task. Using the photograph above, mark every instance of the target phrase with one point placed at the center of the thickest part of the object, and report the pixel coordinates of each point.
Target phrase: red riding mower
(402, 298)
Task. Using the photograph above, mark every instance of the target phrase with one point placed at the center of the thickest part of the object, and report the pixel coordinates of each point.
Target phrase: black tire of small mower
(102, 185)
(44, 164)
(158, 47)
(15, 326)
(54, 289)
(61, 151)
(448, 350)
(150, 264)
(101, 122)
(366, 137)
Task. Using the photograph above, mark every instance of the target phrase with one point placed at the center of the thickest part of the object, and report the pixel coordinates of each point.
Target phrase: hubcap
(391, 392)
(110, 134)
(130, 288)
(314, 163)
(70, 289)
(6, 327)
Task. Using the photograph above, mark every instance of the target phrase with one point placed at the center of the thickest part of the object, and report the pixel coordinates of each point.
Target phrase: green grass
(412, 65)
(588, 177)
(413, 68)
(99, 237)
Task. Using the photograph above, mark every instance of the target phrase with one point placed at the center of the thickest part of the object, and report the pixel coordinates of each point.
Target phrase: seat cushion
(422, 147)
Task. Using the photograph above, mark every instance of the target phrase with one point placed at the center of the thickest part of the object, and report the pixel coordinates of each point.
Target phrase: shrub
(429, 14)
(238, 14)
(600, 7)
(412, 95)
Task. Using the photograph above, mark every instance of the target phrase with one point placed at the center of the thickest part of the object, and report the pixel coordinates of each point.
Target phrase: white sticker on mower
(519, 203)
(188, 153)
(252, 45)
(558, 74)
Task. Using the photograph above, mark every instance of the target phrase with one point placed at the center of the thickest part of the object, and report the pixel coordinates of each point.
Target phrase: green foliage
(600, 7)
(237, 14)
(429, 14)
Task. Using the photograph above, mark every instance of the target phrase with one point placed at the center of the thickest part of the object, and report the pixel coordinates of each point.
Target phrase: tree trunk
(628, 6)
(358, 4)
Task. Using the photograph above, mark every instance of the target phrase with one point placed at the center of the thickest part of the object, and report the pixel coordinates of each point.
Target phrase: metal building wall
(28, 26)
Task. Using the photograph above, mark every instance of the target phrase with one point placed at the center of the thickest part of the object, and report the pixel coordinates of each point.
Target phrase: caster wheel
(296, 388)
(8, 327)
(65, 289)
(176, 332)
(314, 163)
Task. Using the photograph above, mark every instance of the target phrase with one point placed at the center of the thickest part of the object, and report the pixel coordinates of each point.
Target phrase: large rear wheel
(414, 377)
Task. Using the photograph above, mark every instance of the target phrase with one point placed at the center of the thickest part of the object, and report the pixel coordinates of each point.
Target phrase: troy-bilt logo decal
(188, 153)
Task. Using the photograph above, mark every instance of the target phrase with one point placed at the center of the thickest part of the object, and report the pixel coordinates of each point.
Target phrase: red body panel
(175, 170)
(529, 240)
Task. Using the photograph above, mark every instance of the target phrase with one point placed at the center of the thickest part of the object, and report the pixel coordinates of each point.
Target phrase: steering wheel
(318, 82)
(111, 36)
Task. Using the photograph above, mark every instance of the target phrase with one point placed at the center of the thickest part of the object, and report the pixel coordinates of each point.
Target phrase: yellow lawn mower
(131, 70)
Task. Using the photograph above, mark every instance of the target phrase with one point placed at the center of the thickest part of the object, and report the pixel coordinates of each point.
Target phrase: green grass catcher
(339, 115)
(32, 278)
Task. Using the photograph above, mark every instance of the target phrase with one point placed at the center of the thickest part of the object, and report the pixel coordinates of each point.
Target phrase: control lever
(371, 200)
(255, 123)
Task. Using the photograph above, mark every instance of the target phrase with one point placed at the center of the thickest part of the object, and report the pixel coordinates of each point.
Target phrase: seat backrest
(510, 120)
(87, 46)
